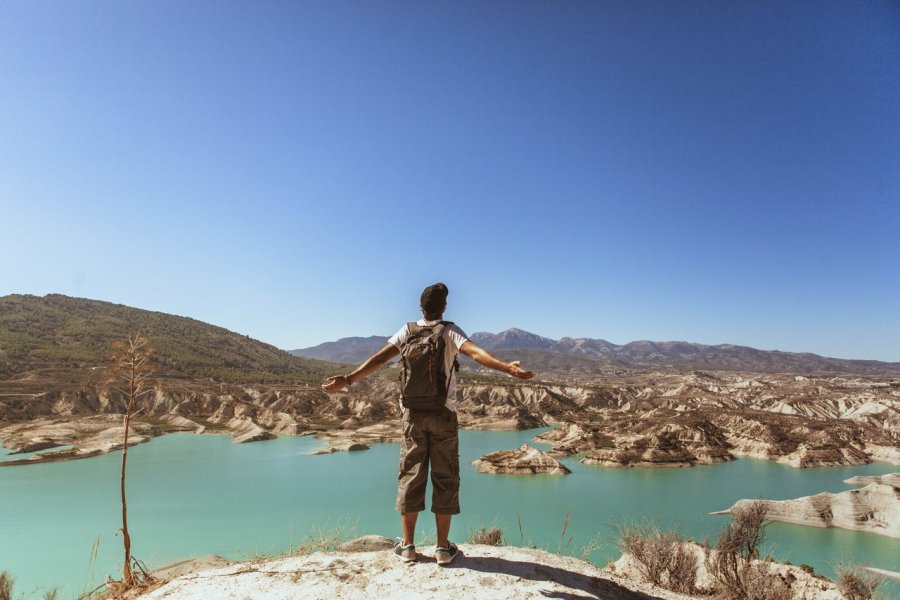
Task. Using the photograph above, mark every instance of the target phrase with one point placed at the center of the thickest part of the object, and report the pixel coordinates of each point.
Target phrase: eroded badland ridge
(52, 393)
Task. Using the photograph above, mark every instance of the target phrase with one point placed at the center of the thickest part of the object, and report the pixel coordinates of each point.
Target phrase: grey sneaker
(445, 556)
(405, 553)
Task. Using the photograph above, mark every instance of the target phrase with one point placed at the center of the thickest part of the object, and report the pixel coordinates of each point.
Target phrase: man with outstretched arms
(428, 351)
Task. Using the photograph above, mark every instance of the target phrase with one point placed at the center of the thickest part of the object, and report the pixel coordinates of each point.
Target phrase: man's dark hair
(434, 299)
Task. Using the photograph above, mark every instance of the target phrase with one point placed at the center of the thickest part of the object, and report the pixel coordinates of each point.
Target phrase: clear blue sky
(298, 171)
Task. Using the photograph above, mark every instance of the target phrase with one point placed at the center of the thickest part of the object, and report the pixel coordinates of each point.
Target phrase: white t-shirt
(454, 338)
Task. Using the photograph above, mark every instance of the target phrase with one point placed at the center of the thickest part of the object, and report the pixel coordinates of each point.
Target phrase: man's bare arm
(482, 357)
(372, 364)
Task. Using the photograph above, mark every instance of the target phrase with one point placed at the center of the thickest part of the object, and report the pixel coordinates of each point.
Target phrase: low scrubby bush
(759, 584)
(856, 583)
(662, 557)
(732, 566)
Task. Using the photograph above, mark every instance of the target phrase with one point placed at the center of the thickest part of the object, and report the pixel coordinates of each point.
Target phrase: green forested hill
(57, 331)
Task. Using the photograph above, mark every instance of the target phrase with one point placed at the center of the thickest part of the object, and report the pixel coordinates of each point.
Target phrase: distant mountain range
(597, 356)
(345, 350)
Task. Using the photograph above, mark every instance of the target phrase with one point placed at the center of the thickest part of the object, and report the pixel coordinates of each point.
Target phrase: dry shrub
(731, 565)
(489, 536)
(747, 530)
(682, 573)
(662, 556)
(762, 585)
(727, 566)
(649, 547)
(6, 585)
(856, 583)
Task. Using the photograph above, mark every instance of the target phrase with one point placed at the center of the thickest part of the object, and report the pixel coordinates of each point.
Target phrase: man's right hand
(518, 372)
(483, 357)
(336, 383)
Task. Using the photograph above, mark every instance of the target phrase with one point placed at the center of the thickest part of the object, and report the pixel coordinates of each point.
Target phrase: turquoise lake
(191, 495)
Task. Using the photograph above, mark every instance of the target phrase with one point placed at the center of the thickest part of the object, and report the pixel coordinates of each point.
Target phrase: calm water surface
(191, 495)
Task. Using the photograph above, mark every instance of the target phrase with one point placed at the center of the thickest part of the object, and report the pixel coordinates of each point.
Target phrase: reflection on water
(192, 495)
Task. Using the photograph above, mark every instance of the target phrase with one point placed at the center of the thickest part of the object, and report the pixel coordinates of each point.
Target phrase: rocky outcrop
(665, 432)
(885, 572)
(179, 423)
(522, 461)
(243, 430)
(516, 421)
(486, 572)
(796, 441)
(888, 454)
(629, 442)
(889, 479)
(365, 569)
(667, 444)
(367, 543)
(341, 445)
(87, 436)
(874, 509)
(503, 407)
(567, 439)
(359, 439)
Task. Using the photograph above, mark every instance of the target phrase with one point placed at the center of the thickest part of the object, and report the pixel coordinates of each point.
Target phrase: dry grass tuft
(488, 536)
(6, 585)
(7, 582)
(326, 539)
(592, 546)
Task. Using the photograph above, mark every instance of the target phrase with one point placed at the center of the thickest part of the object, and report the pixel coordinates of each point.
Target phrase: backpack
(423, 378)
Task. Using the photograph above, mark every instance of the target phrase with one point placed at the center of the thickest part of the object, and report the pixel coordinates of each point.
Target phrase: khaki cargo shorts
(429, 438)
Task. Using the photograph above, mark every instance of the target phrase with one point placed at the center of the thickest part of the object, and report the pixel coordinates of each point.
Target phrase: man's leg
(442, 523)
(444, 457)
(409, 527)
(413, 475)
